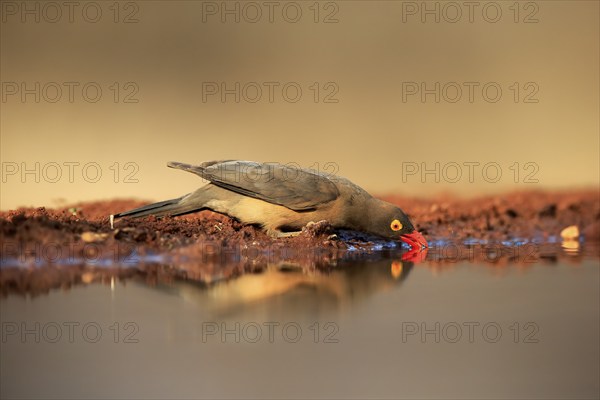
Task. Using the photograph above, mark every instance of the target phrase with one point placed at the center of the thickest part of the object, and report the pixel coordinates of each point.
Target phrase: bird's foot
(318, 228)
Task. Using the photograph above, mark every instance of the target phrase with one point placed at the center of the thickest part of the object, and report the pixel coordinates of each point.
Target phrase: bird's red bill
(415, 240)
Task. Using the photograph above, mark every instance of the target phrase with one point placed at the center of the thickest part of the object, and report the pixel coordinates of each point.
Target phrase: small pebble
(91, 237)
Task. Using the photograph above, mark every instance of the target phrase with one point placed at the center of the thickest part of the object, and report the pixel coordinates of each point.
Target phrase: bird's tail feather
(171, 207)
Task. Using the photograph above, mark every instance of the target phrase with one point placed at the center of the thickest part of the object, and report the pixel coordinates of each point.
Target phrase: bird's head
(389, 221)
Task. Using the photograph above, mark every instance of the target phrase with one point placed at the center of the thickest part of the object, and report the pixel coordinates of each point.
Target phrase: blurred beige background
(177, 50)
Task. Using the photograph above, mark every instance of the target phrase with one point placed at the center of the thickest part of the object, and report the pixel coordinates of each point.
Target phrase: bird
(283, 198)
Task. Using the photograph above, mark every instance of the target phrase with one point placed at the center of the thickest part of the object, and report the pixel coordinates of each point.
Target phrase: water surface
(371, 327)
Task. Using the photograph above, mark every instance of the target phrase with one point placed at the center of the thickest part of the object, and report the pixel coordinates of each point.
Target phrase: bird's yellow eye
(396, 225)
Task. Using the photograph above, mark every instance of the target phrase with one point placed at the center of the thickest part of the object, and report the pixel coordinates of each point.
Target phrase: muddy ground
(45, 248)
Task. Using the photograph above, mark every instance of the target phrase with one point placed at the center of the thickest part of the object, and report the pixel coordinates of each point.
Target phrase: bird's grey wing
(292, 187)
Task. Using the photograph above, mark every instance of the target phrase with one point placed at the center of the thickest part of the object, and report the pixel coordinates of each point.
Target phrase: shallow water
(372, 327)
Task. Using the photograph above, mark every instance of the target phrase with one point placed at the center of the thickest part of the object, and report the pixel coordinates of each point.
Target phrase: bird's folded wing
(292, 187)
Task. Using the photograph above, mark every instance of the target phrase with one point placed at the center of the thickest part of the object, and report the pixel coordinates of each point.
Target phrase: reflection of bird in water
(294, 291)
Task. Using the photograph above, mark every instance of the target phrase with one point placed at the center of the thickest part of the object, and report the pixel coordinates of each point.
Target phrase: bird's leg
(278, 234)
(320, 226)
